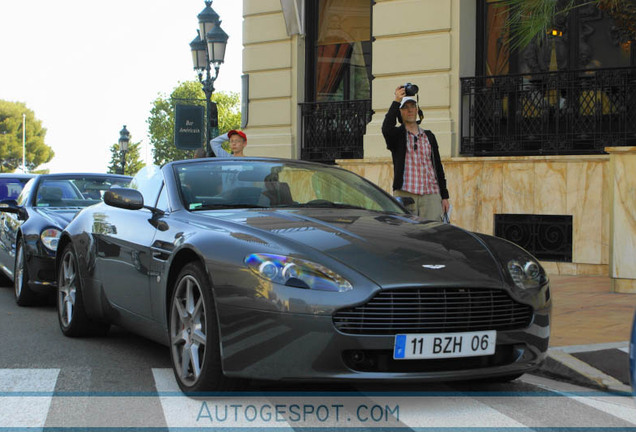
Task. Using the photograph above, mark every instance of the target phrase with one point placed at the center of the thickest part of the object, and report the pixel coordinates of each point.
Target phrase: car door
(123, 256)
(122, 260)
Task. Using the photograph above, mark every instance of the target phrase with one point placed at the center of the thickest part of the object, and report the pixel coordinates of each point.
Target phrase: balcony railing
(334, 130)
(579, 112)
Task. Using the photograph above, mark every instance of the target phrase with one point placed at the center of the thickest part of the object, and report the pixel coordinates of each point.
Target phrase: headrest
(49, 193)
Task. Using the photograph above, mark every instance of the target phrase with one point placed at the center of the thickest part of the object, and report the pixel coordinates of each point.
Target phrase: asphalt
(589, 340)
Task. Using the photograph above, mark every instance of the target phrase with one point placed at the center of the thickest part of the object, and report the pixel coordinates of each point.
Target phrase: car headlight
(50, 237)
(296, 272)
(526, 273)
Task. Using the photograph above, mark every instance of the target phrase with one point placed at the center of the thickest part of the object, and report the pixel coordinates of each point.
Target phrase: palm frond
(530, 20)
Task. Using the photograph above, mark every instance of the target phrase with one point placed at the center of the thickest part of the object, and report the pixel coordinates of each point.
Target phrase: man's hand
(400, 92)
(445, 205)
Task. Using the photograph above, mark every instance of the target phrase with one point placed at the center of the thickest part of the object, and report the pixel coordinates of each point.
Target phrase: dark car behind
(33, 221)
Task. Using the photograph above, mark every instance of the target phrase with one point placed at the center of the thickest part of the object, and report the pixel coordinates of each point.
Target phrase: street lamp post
(24, 143)
(124, 139)
(208, 52)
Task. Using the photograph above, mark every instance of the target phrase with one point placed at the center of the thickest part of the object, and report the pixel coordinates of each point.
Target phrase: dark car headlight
(526, 273)
(50, 237)
(296, 272)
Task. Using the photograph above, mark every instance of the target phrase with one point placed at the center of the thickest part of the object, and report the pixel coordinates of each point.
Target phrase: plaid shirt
(419, 174)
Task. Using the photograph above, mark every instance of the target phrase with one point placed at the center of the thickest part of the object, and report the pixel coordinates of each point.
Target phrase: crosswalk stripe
(620, 407)
(209, 412)
(28, 400)
(448, 411)
(317, 411)
(25, 396)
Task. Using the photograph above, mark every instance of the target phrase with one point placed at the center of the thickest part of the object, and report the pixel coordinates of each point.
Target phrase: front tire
(71, 313)
(194, 334)
(24, 295)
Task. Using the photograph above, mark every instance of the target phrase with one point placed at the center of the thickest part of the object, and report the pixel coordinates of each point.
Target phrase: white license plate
(444, 345)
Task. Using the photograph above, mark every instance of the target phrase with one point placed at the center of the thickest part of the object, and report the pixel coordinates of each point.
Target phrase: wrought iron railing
(547, 237)
(334, 130)
(577, 112)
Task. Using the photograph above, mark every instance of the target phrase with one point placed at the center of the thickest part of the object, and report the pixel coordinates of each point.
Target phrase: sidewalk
(590, 332)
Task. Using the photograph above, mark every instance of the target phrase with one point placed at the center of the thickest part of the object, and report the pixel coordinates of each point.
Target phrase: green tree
(36, 152)
(161, 120)
(528, 20)
(133, 161)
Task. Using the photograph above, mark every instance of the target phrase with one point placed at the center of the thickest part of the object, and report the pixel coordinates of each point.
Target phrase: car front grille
(434, 310)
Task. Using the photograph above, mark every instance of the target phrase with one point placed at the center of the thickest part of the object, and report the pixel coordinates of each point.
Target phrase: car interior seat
(278, 193)
(245, 195)
(51, 196)
(199, 184)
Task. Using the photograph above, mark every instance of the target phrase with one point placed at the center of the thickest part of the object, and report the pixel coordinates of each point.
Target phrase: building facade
(527, 136)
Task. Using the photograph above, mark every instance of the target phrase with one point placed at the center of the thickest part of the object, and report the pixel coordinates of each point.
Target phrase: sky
(87, 67)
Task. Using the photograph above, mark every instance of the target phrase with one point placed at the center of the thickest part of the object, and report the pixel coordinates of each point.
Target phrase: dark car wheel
(194, 337)
(24, 296)
(70, 304)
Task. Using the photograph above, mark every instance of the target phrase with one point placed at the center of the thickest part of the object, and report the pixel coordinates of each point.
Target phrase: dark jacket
(395, 137)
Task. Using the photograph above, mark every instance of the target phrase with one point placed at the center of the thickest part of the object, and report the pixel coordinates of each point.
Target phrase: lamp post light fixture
(208, 52)
(124, 139)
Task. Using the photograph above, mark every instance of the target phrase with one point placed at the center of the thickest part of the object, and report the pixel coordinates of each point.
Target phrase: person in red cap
(237, 139)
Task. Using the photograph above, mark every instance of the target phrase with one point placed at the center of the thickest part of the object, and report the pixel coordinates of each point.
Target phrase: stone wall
(559, 185)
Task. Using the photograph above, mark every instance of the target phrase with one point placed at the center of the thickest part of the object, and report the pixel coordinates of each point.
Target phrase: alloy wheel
(67, 289)
(188, 330)
(19, 271)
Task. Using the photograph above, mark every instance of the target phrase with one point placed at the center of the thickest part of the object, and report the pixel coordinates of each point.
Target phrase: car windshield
(238, 183)
(77, 191)
(10, 188)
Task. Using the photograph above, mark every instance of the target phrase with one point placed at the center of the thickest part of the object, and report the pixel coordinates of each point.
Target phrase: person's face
(237, 144)
(409, 112)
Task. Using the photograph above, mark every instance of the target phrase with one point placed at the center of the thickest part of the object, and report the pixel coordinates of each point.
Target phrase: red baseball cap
(237, 132)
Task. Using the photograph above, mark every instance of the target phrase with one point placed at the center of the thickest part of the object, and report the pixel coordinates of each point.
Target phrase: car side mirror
(124, 198)
(405, 201)
(9, 206)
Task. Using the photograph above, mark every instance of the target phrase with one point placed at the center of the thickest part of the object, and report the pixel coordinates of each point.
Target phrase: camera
(410, 89)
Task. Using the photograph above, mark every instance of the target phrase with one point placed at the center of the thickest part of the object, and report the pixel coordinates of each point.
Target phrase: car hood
(59, 217)
(377, 245)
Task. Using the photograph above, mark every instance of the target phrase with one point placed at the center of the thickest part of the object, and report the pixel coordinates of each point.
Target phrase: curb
(565, 367)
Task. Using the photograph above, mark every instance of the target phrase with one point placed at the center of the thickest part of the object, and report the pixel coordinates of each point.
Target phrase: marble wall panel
(623, 223)
(518, 188)
(465, 203)
(356, 168)
(490, 197)
(585, 204)
(550, 190)
(456, 190)
(382, 175)
(605, 216)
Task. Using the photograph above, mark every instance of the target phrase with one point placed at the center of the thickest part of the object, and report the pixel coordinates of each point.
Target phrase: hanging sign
(189, 127)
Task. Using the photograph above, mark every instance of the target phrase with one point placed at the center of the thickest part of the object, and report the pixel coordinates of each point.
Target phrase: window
(587, 38)
(162, 202)
(10, 188)
(148, 181)
(339, 55)
(22, 198)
